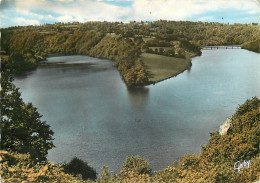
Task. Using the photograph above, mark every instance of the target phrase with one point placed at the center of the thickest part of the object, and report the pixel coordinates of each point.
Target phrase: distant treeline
(200, 33)
(24, 47)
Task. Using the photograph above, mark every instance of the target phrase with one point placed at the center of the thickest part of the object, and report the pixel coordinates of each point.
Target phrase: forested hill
(24, 47)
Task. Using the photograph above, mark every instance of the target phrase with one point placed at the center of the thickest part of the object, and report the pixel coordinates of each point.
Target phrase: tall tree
(21, 127)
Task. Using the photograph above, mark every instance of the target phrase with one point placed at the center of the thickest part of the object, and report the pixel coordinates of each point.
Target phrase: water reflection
(25, 75)
(76, 67)
(138, 97)
(188, 71)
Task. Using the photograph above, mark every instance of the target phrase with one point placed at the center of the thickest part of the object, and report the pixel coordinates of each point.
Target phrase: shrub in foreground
(78, 167)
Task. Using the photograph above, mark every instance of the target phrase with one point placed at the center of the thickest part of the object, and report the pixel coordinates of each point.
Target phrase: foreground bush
(19, 167)
(78, 167)
(135, 169)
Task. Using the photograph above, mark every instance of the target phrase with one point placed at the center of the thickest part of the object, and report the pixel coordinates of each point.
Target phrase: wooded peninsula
(143, 52)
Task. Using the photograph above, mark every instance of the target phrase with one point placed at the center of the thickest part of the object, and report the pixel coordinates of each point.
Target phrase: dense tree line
(181, 49)
(26, 46)
(200, 33)
(125, 52)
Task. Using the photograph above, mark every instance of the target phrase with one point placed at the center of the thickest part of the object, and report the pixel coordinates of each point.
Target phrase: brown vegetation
(121, 42)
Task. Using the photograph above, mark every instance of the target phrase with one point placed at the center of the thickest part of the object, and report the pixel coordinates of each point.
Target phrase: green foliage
(186, 45)
(22, 62)
(135, 169)
(21, 128)
(21, 168)
(252, 46)
(23, 131)
(136, 164)
(181, 48)
(121, 42)
(248, 106)
(105, 176)
(125, 52)
(78, 167)
(26, 51)
(158, 43)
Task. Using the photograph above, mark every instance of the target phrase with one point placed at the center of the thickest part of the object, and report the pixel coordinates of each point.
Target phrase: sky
(37, 12)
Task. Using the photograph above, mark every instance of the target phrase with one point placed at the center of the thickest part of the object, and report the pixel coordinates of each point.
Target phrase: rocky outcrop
(224, 127)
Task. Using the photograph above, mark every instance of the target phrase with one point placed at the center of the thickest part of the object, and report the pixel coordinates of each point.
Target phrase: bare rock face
(224, 127)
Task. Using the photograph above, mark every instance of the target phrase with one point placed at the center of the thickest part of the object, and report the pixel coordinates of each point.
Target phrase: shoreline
(153, 83)
(187, 66)
(161, 67)
(152, 71)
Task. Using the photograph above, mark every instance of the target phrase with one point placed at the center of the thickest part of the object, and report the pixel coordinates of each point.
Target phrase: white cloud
(181, 10)
(23, 21)
(26, 12)
(65, 18)
(69, 18)
(116, 0)
(83, 10)
(66, 1)
(50, 17)
(252, 12)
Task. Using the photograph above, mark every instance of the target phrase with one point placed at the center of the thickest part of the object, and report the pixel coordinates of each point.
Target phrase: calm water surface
(97, 119)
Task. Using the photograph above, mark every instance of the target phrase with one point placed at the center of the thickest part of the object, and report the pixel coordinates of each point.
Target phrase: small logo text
(242, 164)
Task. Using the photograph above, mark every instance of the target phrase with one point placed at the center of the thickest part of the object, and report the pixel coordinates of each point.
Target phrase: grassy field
(162, 67)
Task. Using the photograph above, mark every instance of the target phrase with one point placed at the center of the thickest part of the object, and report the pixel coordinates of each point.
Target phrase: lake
(96, 118)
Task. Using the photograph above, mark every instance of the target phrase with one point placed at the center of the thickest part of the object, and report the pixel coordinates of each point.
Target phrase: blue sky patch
(120, 3)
